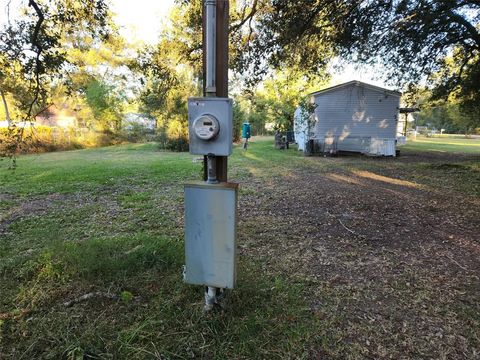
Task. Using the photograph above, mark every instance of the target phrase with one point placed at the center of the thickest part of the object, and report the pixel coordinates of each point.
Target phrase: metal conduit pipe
(210, 298)
(210, 42)
(211, 90)
(211, 169)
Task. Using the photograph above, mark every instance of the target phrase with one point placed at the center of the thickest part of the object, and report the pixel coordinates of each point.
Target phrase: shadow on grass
(265, 317)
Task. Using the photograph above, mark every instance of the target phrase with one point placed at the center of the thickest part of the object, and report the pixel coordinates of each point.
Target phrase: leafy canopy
(31, 51)
(411, 38)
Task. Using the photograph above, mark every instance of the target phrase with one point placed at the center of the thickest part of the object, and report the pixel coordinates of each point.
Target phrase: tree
(412, 38)
(32, 56)
(105, 104)
(158, 76)
(31, 47)
(166, 88)
(457, 86)
(170, 72)
(275, 100)
(99, 78)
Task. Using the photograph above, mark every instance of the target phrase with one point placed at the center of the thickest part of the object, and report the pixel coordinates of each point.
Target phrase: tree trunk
(5, 105)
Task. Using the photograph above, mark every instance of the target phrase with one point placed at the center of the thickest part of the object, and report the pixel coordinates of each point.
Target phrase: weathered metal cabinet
(207, 111)
(210, 234)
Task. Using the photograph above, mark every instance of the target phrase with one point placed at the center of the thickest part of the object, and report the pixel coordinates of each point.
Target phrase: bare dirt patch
(42, 205)
(394, 265)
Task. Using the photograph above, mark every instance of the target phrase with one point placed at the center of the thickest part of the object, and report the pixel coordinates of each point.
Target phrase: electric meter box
(210, 234)
(210, 125)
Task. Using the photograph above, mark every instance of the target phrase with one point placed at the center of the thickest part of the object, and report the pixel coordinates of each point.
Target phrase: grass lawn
(444, 144)
(348, 257)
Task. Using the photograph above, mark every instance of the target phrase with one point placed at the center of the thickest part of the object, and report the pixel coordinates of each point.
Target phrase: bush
(17, 140)
(175, 138)
(178, 145)
(239, 117)
(38, 139)
(137, 133)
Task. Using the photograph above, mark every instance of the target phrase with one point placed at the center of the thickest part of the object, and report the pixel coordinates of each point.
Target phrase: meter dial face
(206, 127)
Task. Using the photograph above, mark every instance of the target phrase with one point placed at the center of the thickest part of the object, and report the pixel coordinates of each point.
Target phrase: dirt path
(394, 265)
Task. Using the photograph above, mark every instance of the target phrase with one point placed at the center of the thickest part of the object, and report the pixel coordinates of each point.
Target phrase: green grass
(444, 144)
(87, 170)
(110, 220)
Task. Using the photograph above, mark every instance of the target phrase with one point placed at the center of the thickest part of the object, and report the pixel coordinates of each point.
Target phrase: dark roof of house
(357, 83)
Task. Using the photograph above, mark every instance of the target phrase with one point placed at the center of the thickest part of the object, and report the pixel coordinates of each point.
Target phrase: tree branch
(36, 42)
(7, 113)
(472, 30)
(246, 18)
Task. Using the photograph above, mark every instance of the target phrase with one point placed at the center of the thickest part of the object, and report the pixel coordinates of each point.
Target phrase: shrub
(178, 145)
(37, 139)
(176, 136)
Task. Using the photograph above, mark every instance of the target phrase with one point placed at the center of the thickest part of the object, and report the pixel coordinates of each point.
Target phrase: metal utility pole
(218, 51)
(222, 19)
(211, 205)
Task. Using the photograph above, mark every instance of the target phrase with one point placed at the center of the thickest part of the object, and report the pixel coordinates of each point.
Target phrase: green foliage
(450, 114)
(126, 296)
(33, 58)
(449, 117)
(307, 110)
(105, 104)
(437, 117)
(158, 75)
(287, 35)
(167, 85)
(456, 85)
(185, 34)
(97, 97)
(176, 144)
(239, 117)
(98, 82)
(274, 102)
(437, 41)
(31, 53)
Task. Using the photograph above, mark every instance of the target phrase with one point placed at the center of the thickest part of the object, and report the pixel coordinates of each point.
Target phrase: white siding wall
(351, 115)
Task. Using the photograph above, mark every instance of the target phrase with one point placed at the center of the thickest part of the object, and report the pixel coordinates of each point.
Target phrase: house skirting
(360, 144)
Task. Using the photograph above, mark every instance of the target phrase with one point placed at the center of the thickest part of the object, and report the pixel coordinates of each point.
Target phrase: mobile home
(353, 117)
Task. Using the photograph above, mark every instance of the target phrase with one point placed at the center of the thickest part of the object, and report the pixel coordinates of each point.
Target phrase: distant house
(131, 121)
(19, 124)
(354, 117)
(56, 116)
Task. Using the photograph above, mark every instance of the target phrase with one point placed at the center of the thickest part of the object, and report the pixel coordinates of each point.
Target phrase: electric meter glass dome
(206, 127)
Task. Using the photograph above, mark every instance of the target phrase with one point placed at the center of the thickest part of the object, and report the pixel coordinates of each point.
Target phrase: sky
(143, 19)
(138, 19)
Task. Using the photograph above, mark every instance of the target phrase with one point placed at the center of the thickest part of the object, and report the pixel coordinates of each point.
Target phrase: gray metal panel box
(210, 234)
(222, 110)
